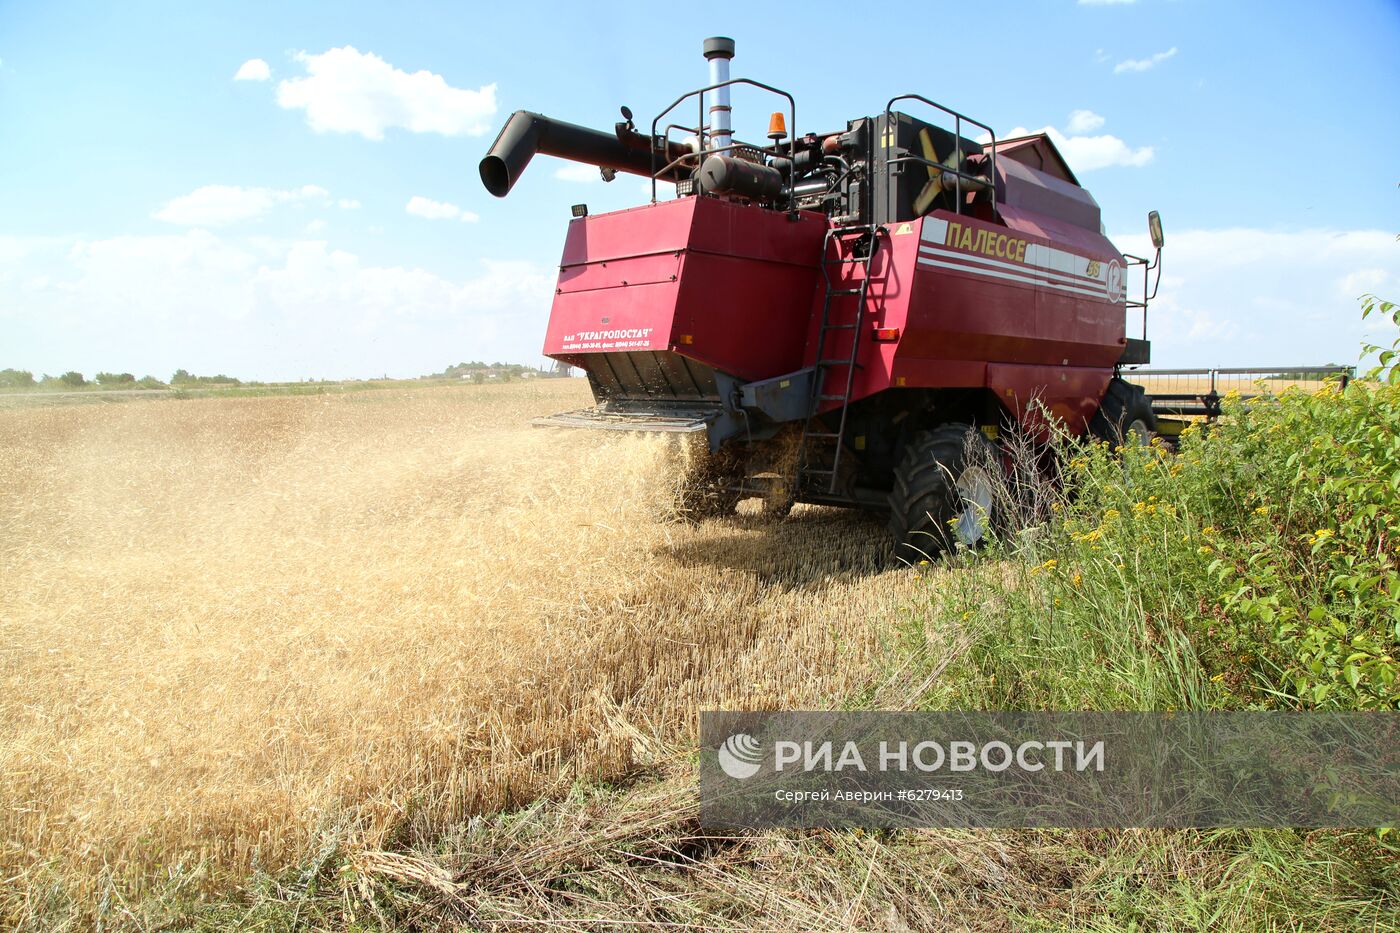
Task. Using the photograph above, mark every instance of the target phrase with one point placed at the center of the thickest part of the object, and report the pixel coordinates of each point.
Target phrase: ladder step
(820, 434)
(821, 472)
(844, 291)
(831, 398)
(837, 326)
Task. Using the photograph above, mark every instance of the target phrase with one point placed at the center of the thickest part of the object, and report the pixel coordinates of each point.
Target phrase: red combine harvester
(845, 316)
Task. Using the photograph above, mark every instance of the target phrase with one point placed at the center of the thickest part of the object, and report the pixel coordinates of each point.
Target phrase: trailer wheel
(944, 492)
(1125, 417)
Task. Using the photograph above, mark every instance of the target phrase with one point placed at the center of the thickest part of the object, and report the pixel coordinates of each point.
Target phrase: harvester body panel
(728, 286)
(955, 302)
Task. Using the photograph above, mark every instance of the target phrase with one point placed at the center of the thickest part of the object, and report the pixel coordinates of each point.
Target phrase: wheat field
(228, 626)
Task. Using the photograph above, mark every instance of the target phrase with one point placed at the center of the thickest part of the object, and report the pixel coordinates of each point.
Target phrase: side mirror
(1154, 227)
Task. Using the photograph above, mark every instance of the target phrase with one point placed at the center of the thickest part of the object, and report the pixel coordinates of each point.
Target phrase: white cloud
(348, 91)
(254, 69)
(219, 205)
(1247, 297)
(348, 204)
(1372, 281)
(257, 307)
(1087, 153)
(420, 206)
(1143, 64)
(1083, 121)
(578, 172)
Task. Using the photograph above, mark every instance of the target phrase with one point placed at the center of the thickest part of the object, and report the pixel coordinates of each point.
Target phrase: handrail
(704, 137)
(887, 140)
(1338, 370)
(1147, 267)
(1209, 404)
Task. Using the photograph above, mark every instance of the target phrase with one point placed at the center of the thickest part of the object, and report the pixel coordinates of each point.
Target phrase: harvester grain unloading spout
(885, 297)
(526, 133)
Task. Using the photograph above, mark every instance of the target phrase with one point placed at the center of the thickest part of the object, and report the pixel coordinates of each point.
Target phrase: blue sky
(156, 212)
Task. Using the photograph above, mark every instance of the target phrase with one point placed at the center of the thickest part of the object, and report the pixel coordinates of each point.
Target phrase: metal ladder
(813, 429)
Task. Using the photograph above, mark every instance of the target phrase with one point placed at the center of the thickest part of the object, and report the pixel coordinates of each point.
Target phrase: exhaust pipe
(527, 133)
(718, 52)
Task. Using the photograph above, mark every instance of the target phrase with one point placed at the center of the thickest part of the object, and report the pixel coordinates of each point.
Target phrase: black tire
(1125, 416)
(927, 496)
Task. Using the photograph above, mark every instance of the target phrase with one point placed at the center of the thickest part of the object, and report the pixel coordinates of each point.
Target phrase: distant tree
(183, 378)
(73, 379)
(149, 382)
(16, 379)
(115, 379)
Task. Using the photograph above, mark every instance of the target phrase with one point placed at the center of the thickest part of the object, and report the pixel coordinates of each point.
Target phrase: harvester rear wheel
(944, 493)
(1125, 417)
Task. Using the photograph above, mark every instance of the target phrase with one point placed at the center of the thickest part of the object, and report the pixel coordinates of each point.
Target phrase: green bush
(1258, 567)
(1266, 553)
(1305, 490)
(16, 379)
